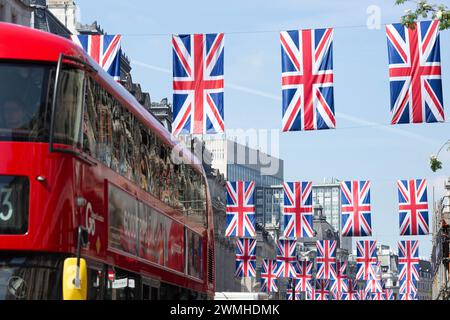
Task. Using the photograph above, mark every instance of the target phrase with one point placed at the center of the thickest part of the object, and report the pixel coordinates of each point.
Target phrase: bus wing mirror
(84, 236)
(71, 289)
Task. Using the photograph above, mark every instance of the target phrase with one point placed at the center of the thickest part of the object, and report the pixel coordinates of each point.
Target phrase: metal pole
(76, 281)
(293, 289)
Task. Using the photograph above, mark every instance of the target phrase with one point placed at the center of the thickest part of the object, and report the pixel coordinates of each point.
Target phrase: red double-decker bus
(80, 155)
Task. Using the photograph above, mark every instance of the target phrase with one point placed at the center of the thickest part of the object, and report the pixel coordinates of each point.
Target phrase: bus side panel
(94, 212)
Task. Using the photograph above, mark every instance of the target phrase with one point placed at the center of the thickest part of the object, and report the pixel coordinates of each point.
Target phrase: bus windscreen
(24, 91)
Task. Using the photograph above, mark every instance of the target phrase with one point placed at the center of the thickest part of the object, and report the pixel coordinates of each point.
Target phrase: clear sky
(363, 147)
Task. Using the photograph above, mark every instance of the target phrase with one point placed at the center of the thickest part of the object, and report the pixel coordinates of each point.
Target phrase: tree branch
(424, 10)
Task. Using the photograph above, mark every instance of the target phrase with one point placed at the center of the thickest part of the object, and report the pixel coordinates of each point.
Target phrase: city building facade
(389, 267)
(425, 283)
(323, 231)
(269, 209)
(66, 11)
(16, 11)
(265, 249)
(440, 251)
(328, 195)
(34, 14)
(224, 247)
(163, 111)
(237, 161)
(241, 162)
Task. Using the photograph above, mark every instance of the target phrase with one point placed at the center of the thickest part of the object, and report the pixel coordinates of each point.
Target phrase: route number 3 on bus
(6, 209)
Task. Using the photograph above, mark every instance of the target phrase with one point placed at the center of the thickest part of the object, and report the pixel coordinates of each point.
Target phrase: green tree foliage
(435, 163)
(424, 10)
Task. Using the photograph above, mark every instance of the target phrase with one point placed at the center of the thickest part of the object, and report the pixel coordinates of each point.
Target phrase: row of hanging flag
(298, 213)
(307, 77)
(331, 280)
(356, 222)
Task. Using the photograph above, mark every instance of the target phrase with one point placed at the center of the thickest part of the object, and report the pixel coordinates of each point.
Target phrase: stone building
(224, 248)
(242, 162)
(163, 111)
(34, 14)
(16, 11)
(66, 11)
(425, 283)
(440, 251)
(389, 267)
(328, 195)
(323, 231)
(265, 249)
(269, 207)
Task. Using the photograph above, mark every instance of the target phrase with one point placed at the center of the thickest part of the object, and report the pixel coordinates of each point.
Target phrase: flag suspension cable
(164, 34)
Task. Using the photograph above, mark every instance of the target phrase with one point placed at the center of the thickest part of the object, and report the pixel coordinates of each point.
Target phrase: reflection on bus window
(96, 284)
(30, 278)
(114, 136)
(69, 103)
(124, 287)
(24, 90)
(194, 249)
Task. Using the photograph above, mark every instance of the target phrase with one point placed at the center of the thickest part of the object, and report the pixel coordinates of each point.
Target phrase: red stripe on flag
(95, 48)
(111, 49)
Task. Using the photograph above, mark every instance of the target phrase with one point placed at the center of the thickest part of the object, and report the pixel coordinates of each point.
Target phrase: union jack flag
(339, 285)
(377, 296)
(352, 290)
(322, 290)
(311, 294)
(297, 211)
(408, 261)
(298, 292)
(240, 209)
(269, 276)
(413, 207)
(326, 259)
(307, 79)
(355, 199)
(303, 273)
(411, 295)
(375, 283)
(104, 49)
(408, 289)
(415, 73)
(340, 296)
(366, 259)
(365, 295)
(198, 83)
(245, 258)
(286, 257)
(389, 294)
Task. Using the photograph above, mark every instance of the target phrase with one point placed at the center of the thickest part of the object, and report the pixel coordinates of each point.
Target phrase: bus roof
(23, 43)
